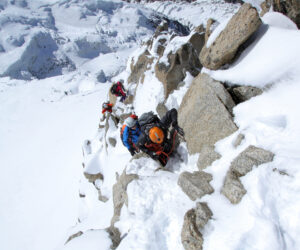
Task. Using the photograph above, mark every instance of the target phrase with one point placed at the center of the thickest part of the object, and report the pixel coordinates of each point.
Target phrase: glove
(179, 130)
(153, 155)
(132, 151)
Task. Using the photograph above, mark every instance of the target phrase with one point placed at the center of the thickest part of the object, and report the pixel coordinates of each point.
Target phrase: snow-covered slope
(50, 103)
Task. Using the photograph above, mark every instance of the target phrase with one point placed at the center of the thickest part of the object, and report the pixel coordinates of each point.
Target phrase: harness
(159, 150)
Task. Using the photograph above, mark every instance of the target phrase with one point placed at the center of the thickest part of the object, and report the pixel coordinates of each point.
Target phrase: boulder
(196, 184)
(198, 41)
(185, 59)
(233, 189)
(140, 67)
(194, 220)
(251, 156)
(120, 195)
(206, 157)
(244, 93)
(223, 50)
(161, 110)
(205, 113)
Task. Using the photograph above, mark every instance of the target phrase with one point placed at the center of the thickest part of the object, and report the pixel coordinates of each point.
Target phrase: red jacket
(109, 109)
(120, 89)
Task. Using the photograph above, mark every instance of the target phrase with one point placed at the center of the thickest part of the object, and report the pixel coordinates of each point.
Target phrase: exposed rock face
(93, 177)
(244, 93)
(205, 113)
(138, 69)
(185, 59)
(194, 220)
(198, 41)
(73, 236)
(119, 198)
(112, 98)
(223, 50)
(115, 236)
(233, 189)
(290, 8)
(112, 141)
(161, 109)
(206, 157)
(120, 195)
(195, 185)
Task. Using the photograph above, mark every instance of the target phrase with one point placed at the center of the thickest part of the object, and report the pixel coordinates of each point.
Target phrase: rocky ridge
(205, 125)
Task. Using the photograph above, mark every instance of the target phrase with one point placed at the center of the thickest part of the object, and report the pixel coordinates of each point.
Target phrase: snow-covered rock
(194, 221)
(223, 48)
(233, 189)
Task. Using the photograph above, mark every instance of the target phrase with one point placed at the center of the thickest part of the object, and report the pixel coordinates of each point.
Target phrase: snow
(90, 240)
(196, 13)
(46, 122)
(261, 63)
(216, 33)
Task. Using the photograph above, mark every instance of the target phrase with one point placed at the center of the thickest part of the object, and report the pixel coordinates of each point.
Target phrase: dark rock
(244, 93)
(198, 41)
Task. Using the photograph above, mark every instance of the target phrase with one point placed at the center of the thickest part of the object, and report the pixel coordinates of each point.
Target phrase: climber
(154, 139)
(106, 107)
(130, 133)
(117, 89)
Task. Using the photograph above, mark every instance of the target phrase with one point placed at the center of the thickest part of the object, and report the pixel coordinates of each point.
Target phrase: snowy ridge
(48, 110)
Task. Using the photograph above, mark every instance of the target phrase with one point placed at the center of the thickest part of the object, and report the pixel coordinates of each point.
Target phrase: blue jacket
(131, 134)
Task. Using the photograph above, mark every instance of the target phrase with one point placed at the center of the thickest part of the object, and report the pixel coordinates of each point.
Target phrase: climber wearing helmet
(106, 107)
(130, 133)
(117, 89)
(154, 139)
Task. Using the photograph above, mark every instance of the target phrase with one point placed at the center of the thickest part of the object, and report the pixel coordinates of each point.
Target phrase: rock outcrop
(196, 184)
(206, 157)
(198, 41)
(233, 189)
(139, 68)
(244, 93)
(119, 194)
(185, 59)
(194, 221)
(205, 113)
(223, 50)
